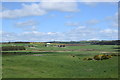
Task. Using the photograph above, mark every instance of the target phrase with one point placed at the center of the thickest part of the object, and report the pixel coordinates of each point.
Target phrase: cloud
(9, 36)
(60, 6)
(87, 23)
(1, 8)
(31, 36)
(61, 0)
(115, 24)
(113, 20)
(69, 16)
(29, 28)
(32, 28)
(94, 39)
(26, 10)
(26, 23)
(93, 4)
(87, 33)
(92, 22)
(72, 24)
(52, 15)
(29, 25)
(39, 9)
(76, 34)
(109, 31)
(40, 0)
(45, 6)
(98, 0)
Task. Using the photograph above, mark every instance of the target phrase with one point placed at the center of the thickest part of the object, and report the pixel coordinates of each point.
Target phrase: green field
(55, 62)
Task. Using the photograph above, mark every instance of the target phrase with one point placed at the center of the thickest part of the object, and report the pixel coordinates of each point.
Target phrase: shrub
(109, 56)
(113, 54)
(98, 57)
(101, 57)
(104, 57)
(85, 59)
(90, 59)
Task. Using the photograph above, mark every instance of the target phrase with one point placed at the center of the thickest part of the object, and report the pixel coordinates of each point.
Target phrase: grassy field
(61, 63)
(0, 66)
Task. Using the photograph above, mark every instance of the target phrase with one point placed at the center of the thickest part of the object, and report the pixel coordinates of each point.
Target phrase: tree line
(93, 42)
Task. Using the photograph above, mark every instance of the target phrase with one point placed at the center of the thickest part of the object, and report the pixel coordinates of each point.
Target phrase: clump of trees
(11, 48)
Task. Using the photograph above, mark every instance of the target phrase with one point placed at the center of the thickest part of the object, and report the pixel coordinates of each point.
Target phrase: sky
(59, 21)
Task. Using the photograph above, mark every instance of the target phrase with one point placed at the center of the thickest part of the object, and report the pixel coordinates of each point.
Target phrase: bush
(90, 58)
(109, 56)
(98, 57)
(101, 57)
(104, 57)
(85, 59)
(114, 54)
(11, 48)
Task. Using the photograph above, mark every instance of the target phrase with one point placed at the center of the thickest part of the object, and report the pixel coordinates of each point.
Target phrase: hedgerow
(11, 48)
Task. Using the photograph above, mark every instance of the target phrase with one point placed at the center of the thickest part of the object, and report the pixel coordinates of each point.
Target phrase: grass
(0, 66)
(61, 64)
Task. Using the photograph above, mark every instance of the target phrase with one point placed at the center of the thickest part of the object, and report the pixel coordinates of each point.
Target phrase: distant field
(66, 62)
(41, 47)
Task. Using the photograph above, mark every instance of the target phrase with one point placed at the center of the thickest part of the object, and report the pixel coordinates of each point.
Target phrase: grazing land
(39, 61)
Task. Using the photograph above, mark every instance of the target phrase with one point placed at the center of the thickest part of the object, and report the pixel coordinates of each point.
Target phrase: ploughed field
(39, 61)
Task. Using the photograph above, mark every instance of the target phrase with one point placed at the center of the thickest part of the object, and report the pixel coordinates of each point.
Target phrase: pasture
(60, 62)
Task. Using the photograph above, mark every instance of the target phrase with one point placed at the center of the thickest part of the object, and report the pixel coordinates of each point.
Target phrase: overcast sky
(59, 21)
